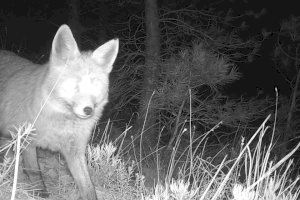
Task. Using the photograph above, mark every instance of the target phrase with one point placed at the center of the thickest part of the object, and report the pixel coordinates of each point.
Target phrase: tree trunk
(74, 19)
(290, 129)
(147, 119)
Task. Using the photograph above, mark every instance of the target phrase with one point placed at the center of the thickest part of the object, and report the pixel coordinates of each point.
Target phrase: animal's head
(79, 80)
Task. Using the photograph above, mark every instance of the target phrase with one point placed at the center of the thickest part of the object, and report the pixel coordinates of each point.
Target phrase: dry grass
(195, 179)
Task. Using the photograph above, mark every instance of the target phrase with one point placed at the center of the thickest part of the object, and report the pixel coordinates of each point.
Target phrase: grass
(189, 176)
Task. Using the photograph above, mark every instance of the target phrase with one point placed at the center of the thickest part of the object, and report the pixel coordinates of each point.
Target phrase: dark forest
(203, 100)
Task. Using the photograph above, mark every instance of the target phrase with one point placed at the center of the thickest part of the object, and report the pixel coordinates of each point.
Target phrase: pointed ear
(64, 46)
(106, 54)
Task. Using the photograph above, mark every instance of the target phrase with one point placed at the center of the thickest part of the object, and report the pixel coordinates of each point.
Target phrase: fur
(64, 98)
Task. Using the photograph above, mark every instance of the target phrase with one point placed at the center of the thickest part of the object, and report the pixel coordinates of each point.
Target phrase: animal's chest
(61, 135)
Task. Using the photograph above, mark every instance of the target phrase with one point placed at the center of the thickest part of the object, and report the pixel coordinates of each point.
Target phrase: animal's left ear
(106, 54)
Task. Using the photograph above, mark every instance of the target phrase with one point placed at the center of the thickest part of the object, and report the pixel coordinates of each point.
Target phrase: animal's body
(66, 96)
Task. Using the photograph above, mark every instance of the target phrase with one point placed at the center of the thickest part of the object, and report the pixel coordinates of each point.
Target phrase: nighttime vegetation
(204, 99)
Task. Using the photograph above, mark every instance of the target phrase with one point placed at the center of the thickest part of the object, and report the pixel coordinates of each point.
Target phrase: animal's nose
(88, 110)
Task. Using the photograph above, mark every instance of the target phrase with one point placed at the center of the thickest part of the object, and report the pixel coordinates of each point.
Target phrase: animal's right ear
(64, 46)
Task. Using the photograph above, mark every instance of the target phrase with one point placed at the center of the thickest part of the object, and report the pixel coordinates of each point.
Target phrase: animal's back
(10, 64)
(19, 79)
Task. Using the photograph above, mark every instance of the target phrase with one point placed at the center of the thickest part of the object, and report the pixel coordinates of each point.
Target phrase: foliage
(286, 51)
(104, 160)
(199, 53)
(199, 70)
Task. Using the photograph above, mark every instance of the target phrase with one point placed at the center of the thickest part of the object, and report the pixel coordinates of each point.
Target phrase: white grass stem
(18, 150)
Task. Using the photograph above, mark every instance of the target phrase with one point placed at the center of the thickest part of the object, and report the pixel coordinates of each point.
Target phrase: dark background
(27, 27)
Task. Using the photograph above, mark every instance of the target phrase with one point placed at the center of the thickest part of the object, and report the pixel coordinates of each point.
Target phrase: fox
(63, 99)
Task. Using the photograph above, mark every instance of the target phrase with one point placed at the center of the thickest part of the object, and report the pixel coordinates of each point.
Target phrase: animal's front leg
(77, 164)
(32, 169)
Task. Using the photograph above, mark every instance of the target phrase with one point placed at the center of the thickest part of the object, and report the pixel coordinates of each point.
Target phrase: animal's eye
(68, 87)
